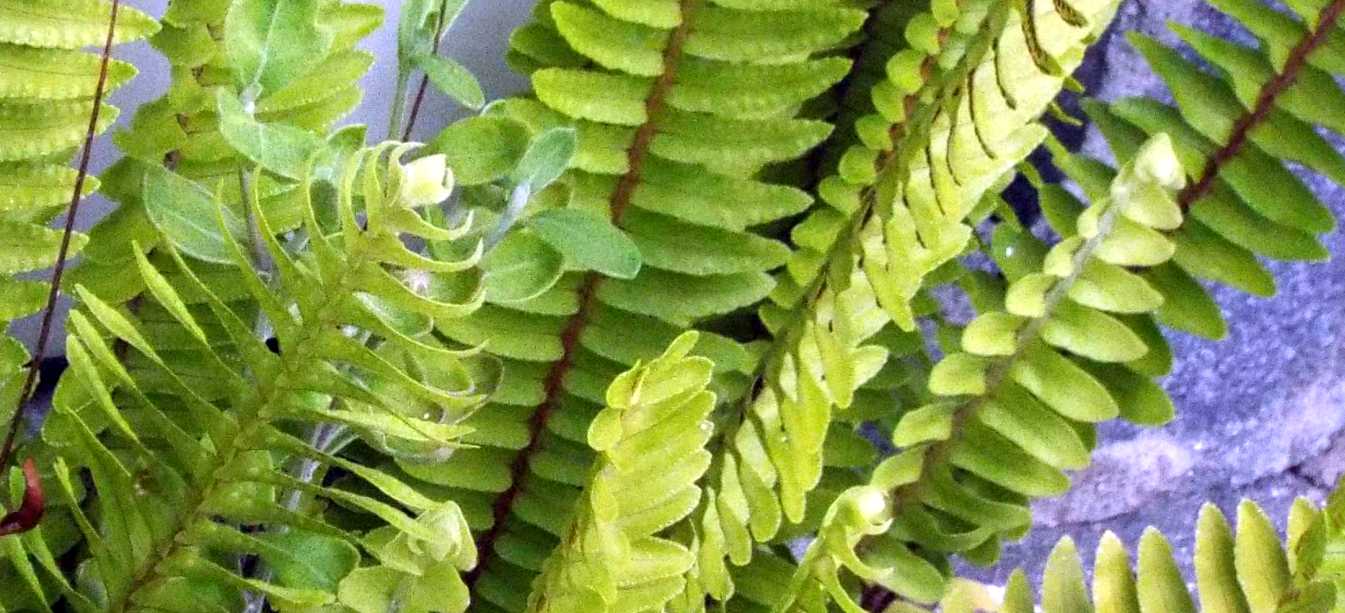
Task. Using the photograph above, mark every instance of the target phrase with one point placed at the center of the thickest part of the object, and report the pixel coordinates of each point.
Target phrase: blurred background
(1260, 414)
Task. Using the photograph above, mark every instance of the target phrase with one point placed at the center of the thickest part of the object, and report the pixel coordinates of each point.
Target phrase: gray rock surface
(1261, 414)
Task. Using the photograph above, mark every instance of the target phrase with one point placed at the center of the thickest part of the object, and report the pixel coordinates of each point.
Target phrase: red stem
(25, 518)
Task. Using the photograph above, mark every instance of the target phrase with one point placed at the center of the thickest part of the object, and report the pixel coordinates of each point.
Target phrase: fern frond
(1013, 402)
(349, 366)
(671, 168)
(182, 129)
(1244, 203)
(936, 143)
(650, 443)
(1250, 570)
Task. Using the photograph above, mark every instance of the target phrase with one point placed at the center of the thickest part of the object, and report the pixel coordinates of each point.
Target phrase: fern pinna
(47, 93)
(1005, 383)
(667, 140)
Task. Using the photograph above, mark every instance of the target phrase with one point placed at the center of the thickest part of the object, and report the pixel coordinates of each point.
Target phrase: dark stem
(1265, 103)
(49, 312)
(424, 79)
(876, 598)
(518, 470)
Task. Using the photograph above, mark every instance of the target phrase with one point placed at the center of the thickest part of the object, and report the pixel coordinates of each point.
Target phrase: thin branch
(425, 79)
(1265, 103)
(49, 312)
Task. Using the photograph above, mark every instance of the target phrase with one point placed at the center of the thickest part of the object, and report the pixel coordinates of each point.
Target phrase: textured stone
(1259, 413)
(1124, 476)
(1325, 470)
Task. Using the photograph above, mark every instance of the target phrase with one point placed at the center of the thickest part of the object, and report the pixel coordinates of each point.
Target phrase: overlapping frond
(1062, 347)
(184, 130)
(189, 478)
(1250, 570)
(668, 139)
(650, 442)
(47, 90)
(947, 118)
(279, 337)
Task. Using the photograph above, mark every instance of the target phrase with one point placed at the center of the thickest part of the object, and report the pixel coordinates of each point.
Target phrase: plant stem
(49, 311)
(425, 79)
(398, 101)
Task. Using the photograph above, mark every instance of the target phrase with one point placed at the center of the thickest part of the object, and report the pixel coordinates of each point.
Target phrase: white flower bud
(1157, 162)
(426, 181)
(872, 505)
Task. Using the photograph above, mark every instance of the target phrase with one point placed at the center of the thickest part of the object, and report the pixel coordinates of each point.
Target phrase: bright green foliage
(344, 390)
(1250, 204)
(1072, 339)
(148, 428)
(910, 183)
(950, 116)
(47, 87)
(650, 444)
(265, 93)
(1251, 570)
(1012, 407)
(270, 42)
(46, 97)
(656, 218)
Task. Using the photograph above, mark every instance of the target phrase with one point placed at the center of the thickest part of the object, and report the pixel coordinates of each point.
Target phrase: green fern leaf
(71, 25)
(407, 397)
(672, 168)
(650, 443)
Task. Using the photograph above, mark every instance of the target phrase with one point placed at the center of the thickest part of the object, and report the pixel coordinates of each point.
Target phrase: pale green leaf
(482, 149)
(270, 42)
(588, 241)
(187, 214)
(453, 79)
(521, 267)
(547, 156)
(284, 150)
